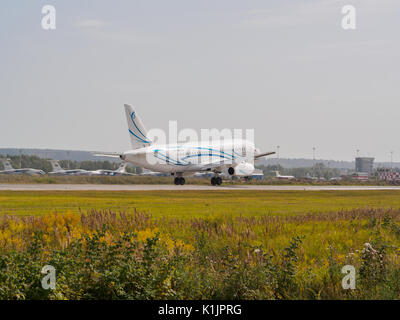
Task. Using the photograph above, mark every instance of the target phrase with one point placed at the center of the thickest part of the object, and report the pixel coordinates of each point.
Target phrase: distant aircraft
(203, 174)
(280, 177)
(8, 169)
(146, 172)
(58, 171)
(237, 156)
(309, 177)
(121, 171)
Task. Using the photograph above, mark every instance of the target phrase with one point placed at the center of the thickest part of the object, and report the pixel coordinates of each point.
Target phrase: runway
(164, 187)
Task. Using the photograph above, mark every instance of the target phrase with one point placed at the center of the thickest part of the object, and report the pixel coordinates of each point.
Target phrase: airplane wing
(107, 154)
(264, 154)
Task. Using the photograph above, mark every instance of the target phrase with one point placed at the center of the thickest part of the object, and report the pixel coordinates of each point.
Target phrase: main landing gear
(179, 181)
(216, 181)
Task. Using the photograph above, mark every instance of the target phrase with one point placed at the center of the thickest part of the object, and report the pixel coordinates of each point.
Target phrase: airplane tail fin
(122, 167)
(277, 173)
(55, 165)
(137, 131)
(7, 164)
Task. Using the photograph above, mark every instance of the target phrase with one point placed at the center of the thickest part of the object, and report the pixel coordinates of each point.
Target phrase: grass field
(191, 204)
(201, 244)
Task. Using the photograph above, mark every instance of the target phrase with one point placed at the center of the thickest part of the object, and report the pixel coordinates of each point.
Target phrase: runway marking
(153, 187)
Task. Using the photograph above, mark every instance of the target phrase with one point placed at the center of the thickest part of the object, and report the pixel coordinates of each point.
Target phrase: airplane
(180, 160)
(8, 169)
(280, 177)
(202, 174)
(121, 171)
(58, 171)
(146, 172)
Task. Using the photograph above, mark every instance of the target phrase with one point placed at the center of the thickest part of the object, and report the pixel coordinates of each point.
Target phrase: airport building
(365, 165)
(258, 174)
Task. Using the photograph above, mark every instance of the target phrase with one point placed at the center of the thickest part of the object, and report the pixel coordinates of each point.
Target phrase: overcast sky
(285, 68)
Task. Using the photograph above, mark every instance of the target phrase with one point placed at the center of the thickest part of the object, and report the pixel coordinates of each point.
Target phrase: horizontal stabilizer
(107, 154)
(259, 155)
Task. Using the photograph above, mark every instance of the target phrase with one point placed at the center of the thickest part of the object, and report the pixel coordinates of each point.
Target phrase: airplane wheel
(218, 180)
(179, 181)
(213, 182)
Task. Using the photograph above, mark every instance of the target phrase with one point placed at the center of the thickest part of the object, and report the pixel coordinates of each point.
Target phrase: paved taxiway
(150, 187)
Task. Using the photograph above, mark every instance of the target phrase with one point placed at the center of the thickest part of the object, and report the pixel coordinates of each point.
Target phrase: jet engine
(243, 169)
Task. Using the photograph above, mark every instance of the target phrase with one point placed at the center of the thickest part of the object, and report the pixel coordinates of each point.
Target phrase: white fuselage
(27, 171)
(285, 177)
(103, 172)
(186, 157)
(278, 176)
(72, 172)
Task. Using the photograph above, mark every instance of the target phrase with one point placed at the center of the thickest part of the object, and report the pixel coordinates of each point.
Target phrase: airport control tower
(364, 164)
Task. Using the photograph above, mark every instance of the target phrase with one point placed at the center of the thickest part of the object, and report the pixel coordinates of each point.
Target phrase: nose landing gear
(216, 181)
(179, 181)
